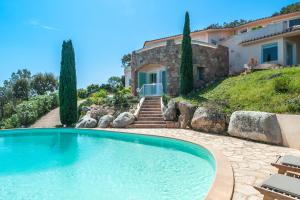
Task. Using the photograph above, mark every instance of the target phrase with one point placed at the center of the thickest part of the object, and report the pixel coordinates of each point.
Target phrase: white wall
(241, 54)
(127, 74)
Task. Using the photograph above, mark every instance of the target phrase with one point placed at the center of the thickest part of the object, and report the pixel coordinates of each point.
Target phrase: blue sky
(31, 31)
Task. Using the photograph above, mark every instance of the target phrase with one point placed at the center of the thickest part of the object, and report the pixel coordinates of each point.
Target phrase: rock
(105, 121)
(85, 109)
(186, 113)
(259, 126)
(209, 121)
(169, 113)
(86, 122)
(123, 120)
(98, 112)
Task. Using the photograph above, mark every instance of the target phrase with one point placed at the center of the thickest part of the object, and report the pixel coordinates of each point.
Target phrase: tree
(295, 7)
(126, 60)
(43, 83)
(186, 67)
(21, 89)
(92, 88)
(115, 82)
(67, 85)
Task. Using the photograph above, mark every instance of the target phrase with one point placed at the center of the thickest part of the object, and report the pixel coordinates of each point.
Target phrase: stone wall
(213, 60)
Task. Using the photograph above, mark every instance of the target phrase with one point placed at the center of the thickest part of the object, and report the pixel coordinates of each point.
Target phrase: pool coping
(223, 185)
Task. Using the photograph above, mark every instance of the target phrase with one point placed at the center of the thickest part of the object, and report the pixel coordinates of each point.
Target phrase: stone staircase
(150, 115)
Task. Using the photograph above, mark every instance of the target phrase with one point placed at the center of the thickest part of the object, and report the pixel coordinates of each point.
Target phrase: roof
(257, 21)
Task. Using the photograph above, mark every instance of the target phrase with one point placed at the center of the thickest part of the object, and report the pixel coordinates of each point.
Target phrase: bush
(82, 93)
(100, 94)
(294, 105)
(99, 97)
(27, 112)
(12, 122)
(8, 110)
(282, 84)
(166, 99)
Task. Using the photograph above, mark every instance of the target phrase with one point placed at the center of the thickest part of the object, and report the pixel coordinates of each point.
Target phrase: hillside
(275, 91)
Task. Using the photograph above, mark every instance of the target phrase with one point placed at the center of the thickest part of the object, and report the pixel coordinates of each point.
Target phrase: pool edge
(223, 185)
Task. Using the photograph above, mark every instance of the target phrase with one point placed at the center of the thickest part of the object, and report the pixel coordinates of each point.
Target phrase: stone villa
(216, 53)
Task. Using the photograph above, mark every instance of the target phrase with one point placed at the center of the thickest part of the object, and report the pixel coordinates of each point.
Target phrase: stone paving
(250, 160)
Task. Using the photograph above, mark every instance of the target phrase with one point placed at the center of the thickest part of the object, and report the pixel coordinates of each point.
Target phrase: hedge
(28, 112)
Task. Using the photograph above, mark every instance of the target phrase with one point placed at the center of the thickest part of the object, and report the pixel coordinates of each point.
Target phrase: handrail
(151, 89)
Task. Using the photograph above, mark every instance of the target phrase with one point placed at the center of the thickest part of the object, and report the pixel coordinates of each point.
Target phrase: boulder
(258, 126)
(98, 112)
(186, 113)
(86, 122)
(105, 121)
(123, 120)
(169, 113)
(209, 121)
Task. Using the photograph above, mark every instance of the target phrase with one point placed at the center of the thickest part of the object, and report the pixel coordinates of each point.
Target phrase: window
(269, 52)
(294, 22)
(153, 78)
(214, 42)
(200, 73)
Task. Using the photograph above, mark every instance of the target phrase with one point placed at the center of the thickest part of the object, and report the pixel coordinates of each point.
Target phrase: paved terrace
(250, 160)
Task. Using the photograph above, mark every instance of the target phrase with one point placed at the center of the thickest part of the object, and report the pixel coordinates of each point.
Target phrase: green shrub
(27, 112)
(166, 99)
(100, 94)
(54, 100)
(43, 104)
(82, 93)
(12, 122)
(99, 97)
(8, 110)
(282, 84)
(294, 105)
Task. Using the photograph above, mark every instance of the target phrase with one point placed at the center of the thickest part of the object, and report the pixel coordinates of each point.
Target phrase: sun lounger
(280, 187)
(287, 163)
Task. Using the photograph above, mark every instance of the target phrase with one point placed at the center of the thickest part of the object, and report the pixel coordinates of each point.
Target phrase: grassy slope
(251, 92)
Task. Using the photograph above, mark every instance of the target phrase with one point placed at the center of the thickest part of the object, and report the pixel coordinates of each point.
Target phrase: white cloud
(36, 23)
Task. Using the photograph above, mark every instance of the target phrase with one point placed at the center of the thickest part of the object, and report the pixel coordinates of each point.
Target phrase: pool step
(150, 115)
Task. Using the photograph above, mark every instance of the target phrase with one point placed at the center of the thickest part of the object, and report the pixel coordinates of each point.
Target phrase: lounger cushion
(283, 184)
(290, 160)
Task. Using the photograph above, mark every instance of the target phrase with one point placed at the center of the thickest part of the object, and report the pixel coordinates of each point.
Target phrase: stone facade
(212, 61)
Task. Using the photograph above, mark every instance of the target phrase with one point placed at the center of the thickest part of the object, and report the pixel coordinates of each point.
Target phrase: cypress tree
(67, 85)
(186, 67)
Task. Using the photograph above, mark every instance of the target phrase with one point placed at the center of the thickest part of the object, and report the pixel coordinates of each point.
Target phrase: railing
(155, 89)
(270, 29)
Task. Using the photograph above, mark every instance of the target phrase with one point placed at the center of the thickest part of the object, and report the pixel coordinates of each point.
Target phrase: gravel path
(50, 120)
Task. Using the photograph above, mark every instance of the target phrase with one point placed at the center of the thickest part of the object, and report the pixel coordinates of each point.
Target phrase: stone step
(151, 109)
(149, 115)
(150, 118)
(149, 122)
(152, 105)
(147, 126)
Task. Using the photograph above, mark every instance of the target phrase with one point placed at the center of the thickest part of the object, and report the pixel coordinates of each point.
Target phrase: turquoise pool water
(63, 164)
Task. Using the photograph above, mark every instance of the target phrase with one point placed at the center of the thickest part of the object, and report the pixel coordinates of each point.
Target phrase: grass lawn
(255, 92)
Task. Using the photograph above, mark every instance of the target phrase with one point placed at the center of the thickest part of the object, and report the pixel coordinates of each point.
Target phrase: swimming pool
(89, 164)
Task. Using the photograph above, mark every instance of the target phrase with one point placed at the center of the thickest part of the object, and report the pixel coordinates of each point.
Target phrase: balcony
(267, 31)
